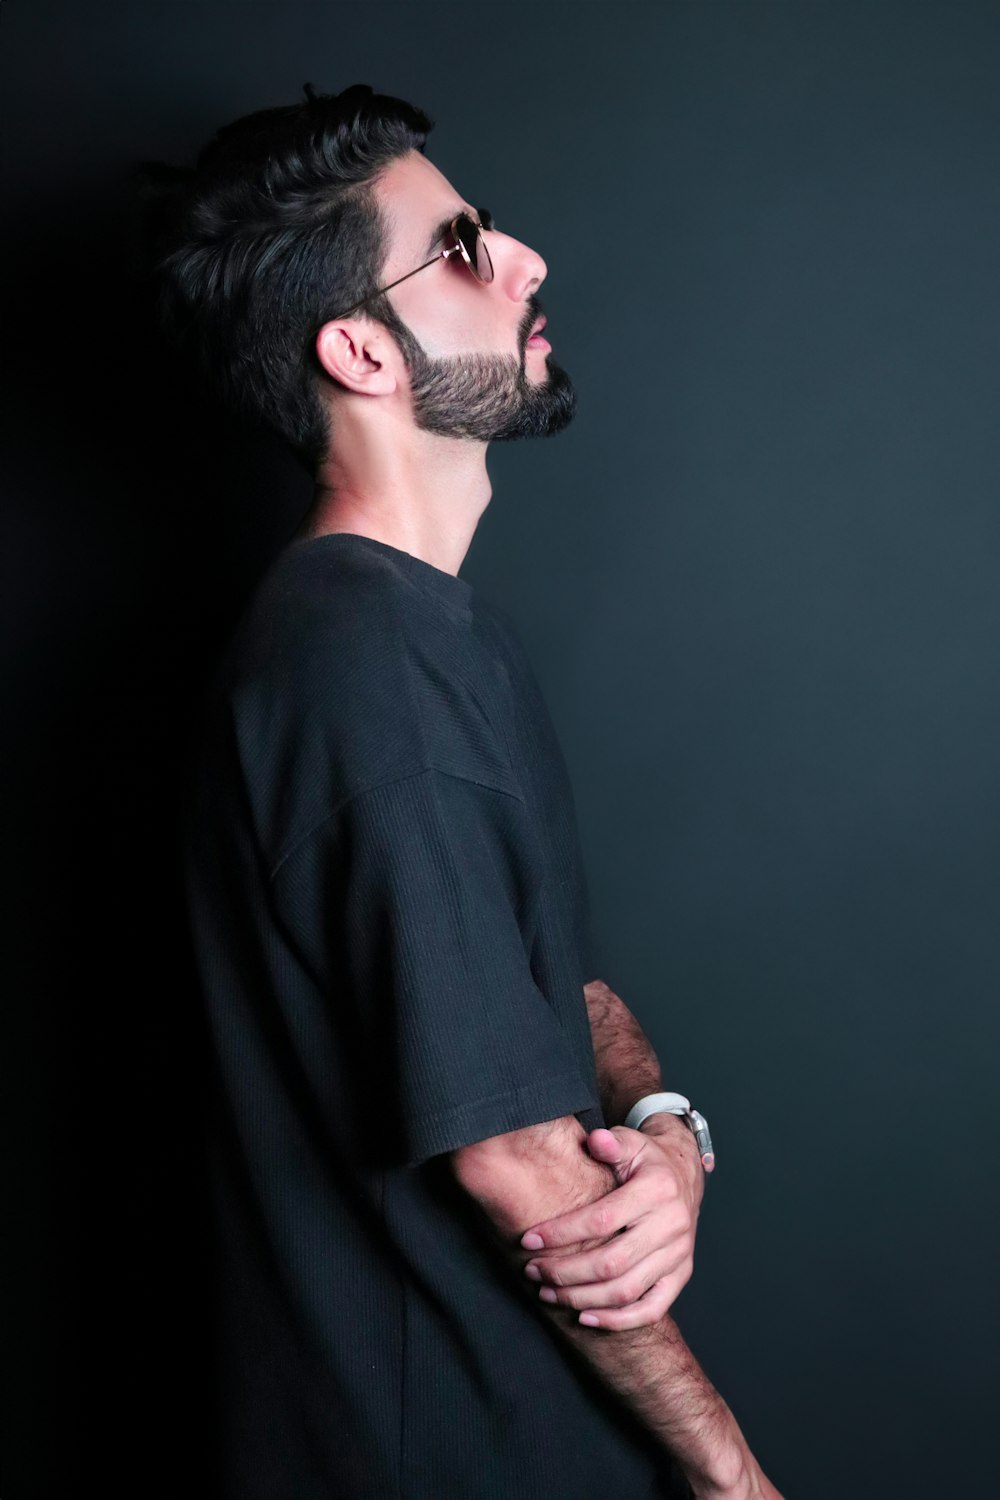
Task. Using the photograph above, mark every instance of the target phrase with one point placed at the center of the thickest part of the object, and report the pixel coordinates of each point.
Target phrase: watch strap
(675, 1104)
(653, 1104)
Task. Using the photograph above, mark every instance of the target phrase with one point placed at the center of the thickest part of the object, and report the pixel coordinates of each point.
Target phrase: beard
(487, 397)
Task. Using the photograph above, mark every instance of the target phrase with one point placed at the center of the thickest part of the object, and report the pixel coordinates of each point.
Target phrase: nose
(519, 270)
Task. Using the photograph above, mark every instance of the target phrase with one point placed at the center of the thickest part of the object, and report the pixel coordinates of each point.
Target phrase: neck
(426, 499)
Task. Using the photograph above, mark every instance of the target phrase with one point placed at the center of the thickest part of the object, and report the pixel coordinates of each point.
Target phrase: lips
(538, 327)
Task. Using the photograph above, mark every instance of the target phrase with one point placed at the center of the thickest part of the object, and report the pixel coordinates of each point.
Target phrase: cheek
(468, 325)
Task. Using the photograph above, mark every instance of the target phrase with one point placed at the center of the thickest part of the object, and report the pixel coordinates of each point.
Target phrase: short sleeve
(428, 897)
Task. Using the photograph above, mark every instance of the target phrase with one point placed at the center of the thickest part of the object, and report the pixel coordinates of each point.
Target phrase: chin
(549, 406)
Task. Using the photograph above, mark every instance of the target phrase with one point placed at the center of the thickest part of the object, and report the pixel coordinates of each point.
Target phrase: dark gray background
(756, 576)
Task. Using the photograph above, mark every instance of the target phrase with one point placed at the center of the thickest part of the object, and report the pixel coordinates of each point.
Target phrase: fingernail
(532, 1241)
(532, 1272)
(547, 1294)
(590, 1320)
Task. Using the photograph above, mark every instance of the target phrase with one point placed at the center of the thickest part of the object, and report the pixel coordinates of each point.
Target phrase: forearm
(651, 1368)
(627, 1066)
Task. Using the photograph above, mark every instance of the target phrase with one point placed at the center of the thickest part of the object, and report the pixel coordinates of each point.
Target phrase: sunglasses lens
(475, 247)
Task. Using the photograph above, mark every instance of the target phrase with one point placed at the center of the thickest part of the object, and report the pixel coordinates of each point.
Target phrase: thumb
(609, 1147)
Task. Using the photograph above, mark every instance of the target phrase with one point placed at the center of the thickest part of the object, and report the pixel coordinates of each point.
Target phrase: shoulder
(315, 596)
(503, 633)
(345, 673)
(343, 625)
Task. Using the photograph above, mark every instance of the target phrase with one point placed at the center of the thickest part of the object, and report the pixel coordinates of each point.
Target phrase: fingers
(622, 1149)
(594, 1221)
(649, 1309)
(615, 1274)
(602, 1259)
(635, 1300)
(606, 1143)
(641, 1190)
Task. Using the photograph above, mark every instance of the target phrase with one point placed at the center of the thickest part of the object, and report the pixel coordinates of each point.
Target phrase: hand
(645, 1226)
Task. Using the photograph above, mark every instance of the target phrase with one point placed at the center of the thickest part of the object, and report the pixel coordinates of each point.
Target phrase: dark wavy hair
(274, 229)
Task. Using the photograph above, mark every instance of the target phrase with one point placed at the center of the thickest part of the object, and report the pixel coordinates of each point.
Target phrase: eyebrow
(446, 224)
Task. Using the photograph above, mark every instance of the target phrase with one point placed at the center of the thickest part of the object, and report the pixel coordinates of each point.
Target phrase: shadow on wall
(137, 520)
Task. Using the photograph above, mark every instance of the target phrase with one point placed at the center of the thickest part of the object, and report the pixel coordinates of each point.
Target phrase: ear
(356, 353)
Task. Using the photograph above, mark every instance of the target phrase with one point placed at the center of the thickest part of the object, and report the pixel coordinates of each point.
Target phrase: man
(413, 1065)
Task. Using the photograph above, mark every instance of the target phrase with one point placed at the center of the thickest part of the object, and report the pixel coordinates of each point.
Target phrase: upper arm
(414, 905)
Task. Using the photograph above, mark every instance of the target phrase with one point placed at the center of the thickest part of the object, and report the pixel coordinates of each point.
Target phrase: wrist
(665, 1122)
(744, 1488)
(730, 1476)
(671, 1103)
(673, 1128)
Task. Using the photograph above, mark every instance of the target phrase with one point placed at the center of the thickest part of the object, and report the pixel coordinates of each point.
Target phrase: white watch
(675, 1104)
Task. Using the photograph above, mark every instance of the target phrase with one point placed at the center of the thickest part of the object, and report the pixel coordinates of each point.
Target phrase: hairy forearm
(658, 1377)
(628, 1068)
(651, 1368)
(627, 1065)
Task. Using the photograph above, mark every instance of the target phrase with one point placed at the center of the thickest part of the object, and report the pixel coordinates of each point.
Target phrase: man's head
(294, 214)
(461, 345)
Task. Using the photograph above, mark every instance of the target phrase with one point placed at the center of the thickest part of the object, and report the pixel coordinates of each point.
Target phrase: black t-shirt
(389, 915)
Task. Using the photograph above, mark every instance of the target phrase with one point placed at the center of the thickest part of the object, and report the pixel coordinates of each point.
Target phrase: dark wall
(758, 580)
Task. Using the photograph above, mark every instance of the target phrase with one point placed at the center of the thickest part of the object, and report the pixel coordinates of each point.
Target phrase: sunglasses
(467, 235)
